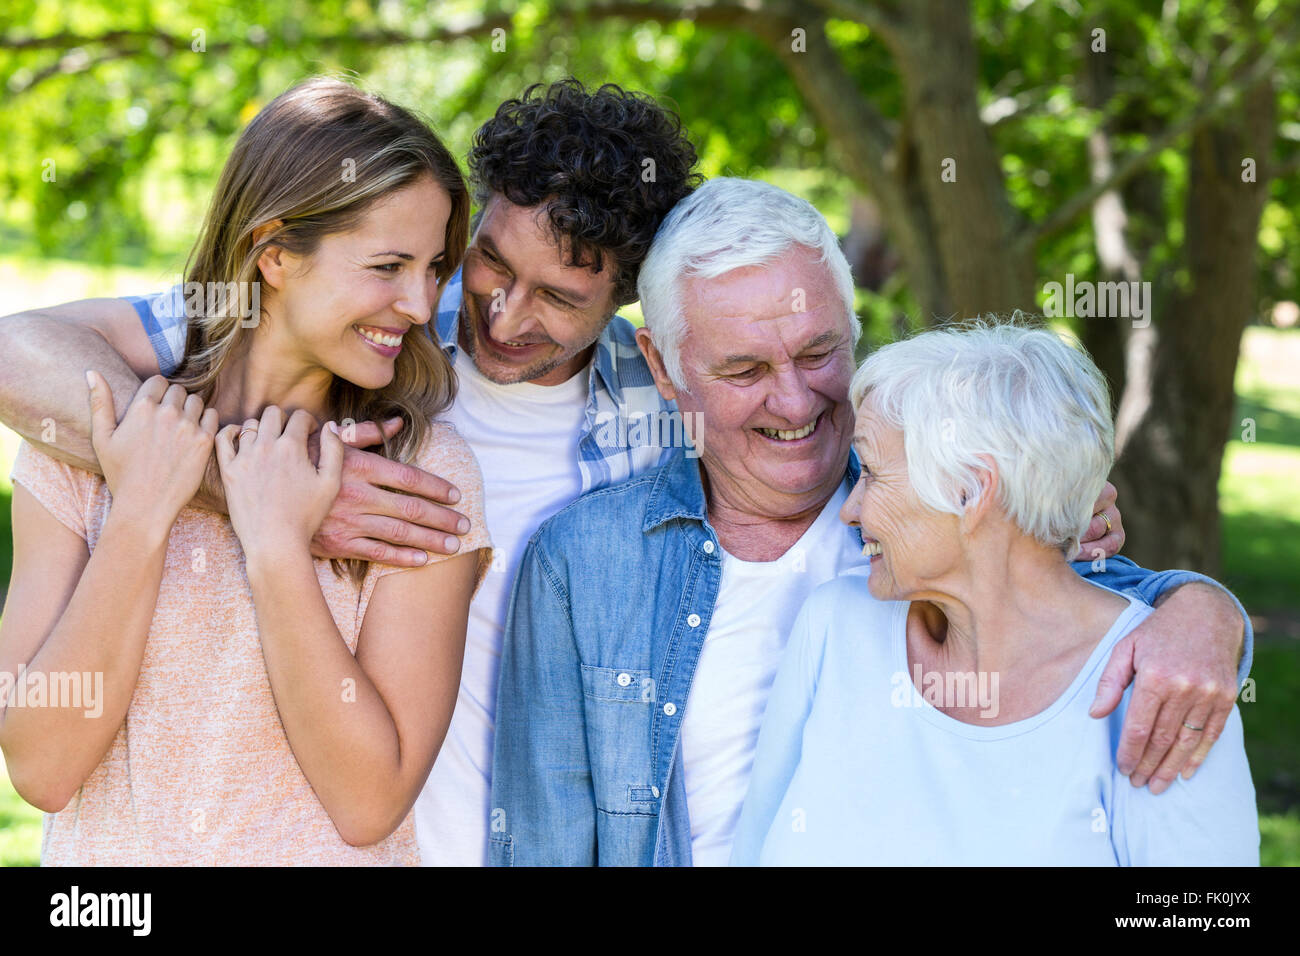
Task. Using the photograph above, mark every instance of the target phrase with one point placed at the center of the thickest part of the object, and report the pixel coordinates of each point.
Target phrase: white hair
(1035, 405)
(729, 224)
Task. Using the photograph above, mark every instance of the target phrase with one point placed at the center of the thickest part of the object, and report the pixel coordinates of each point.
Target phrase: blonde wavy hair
(315, 159)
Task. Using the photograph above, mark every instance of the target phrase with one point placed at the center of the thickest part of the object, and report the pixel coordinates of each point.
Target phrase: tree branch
(880, 16)
(1215, 106)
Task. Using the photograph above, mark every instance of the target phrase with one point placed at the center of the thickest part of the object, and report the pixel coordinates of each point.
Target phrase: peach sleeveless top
(201, 771)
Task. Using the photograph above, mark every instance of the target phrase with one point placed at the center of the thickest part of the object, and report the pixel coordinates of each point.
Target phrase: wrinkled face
(913, 545)
(767, 359)
(348, 307)
(528, 316)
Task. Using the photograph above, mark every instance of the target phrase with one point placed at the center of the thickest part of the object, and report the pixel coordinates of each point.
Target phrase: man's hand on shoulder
(1183, 662)
(387, 511)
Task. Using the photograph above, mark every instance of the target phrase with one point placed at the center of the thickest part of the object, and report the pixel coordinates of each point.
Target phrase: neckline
(830, 512)
(898, 631)
(569, 391)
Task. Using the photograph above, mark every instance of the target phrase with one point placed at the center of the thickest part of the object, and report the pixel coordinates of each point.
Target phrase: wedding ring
(1102, 516)
(1190, 727)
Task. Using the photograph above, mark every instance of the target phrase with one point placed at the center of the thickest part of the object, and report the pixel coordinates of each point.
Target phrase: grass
(20, 827)
(1261, 554)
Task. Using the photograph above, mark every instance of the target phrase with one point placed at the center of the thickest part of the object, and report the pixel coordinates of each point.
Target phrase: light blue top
(854, 766)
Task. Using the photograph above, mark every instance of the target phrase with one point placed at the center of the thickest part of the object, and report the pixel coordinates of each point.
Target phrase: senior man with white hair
(648, 618)
(982, 450)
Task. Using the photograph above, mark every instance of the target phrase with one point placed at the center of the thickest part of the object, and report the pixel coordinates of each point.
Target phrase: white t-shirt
(526, 439)
(757, 604)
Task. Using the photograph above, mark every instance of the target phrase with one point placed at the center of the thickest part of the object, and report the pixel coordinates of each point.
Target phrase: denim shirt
(608, 616)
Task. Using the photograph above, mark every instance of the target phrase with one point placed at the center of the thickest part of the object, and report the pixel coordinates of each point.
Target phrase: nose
(417, 297)
(791, 397)
(852, 507)
(508, 315)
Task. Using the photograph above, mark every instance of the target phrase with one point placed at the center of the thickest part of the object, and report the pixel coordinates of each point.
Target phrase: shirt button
(624, 680)
(693, 620)
(655, 792)
(670, 708)
(708, 547)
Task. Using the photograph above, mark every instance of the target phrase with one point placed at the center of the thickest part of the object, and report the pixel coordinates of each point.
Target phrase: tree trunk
(1168, 471)
(957, 167)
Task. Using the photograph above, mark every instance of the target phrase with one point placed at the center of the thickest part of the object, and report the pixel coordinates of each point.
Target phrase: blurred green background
(968, 152)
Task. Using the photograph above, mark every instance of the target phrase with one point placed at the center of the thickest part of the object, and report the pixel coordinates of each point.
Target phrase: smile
(511, 349)
(384, 341)
(871, 549)
(782, 434)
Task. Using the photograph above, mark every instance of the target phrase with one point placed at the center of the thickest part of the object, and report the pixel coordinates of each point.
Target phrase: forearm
(338, 725)
(1207, 602)
(52, 749)
(43, 384)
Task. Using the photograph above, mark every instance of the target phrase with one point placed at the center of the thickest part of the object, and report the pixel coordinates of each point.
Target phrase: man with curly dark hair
(587, 175)
(572, 184)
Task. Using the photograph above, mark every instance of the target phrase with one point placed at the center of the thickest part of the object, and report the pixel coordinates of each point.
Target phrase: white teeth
(871, 549)
(785, 435)
(381, 338)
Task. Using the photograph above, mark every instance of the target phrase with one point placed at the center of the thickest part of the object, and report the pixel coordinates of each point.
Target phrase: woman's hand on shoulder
(276, 496)
(153, 459)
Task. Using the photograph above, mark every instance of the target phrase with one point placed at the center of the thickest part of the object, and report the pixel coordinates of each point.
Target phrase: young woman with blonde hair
(257, 705)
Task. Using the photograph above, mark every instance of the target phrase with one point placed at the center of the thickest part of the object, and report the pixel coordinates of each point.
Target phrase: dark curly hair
(583, 153)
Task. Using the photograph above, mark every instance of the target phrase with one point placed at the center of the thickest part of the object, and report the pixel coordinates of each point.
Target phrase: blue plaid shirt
(620, 388)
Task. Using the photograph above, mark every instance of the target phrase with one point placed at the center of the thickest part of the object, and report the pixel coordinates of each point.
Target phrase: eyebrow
(823, 339)
(577, 298)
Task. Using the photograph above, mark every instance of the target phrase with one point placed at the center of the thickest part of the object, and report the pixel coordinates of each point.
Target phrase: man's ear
(272, 262)
(656, 362)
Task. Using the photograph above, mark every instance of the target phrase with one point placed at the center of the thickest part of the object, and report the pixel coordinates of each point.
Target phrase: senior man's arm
(543, 800)
(1187, 661)
(47, 353)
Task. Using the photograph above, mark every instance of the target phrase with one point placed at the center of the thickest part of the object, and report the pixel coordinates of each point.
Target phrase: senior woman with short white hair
(932, 708)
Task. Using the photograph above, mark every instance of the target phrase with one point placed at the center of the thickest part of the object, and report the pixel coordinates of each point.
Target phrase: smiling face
(911, 545)
(528, 316)
(346, 308)
(767, 358)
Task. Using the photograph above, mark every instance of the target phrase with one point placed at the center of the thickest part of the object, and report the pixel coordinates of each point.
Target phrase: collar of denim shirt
(679, 491)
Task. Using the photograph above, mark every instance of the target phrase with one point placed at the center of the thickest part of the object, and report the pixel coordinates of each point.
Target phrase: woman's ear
(272, 260)
(977, 508)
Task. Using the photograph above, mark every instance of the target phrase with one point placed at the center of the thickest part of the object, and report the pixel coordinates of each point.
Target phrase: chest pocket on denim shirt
(619, 709)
